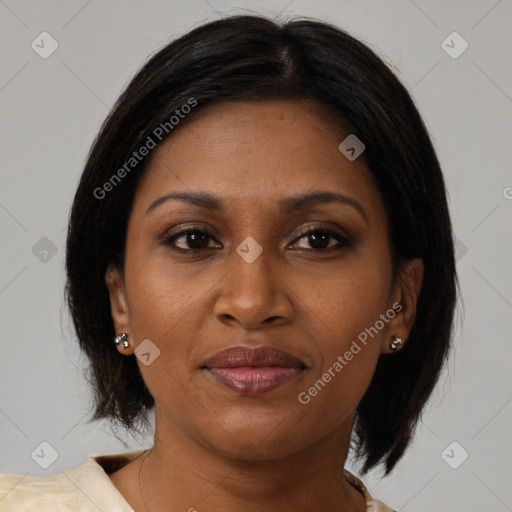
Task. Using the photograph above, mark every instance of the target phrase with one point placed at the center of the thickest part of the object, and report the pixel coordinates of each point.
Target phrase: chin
(255, 443)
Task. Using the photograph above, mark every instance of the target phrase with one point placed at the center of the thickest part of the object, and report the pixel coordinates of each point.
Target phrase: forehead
(256, 153)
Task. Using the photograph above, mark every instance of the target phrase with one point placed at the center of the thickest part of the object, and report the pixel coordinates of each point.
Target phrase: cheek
(345, 303)
(164, 308)
(348, 329)
(162, 300)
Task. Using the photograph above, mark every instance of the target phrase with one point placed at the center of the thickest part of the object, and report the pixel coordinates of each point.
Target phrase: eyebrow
(288, 205)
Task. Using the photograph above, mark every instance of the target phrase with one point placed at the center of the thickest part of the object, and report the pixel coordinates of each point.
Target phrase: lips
(252, 371)
(234, 357)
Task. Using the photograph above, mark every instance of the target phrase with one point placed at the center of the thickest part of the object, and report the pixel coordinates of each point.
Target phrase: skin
(215, 449)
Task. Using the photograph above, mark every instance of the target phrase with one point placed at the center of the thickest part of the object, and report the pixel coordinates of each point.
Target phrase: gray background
(52, 108)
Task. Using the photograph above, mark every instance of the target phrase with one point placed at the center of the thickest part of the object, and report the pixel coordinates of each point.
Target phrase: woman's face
(250, 275)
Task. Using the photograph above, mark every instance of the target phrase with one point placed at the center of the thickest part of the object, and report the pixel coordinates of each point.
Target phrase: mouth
(253, 371)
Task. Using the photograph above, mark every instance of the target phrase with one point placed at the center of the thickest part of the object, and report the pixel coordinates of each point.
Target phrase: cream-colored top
(87, 488)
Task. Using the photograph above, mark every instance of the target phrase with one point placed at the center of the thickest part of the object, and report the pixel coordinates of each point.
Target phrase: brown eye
(319, 239)
(190, 240)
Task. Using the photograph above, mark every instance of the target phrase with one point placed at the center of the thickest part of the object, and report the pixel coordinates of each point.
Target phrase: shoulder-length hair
(252, 58)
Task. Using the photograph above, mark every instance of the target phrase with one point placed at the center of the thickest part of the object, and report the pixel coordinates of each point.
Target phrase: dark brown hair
(252, 58)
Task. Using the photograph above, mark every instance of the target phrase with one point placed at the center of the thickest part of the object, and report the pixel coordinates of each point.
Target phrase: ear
(403, 301)
(119, 305)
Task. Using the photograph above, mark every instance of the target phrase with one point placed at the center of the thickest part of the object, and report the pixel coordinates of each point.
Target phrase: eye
(318, 238)
(189, 239)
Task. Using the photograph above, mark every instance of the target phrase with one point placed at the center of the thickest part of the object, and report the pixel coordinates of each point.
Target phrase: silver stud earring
(122, 338)
(396, 343)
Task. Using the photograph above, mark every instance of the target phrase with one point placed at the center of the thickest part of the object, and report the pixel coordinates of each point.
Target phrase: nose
(253, 294)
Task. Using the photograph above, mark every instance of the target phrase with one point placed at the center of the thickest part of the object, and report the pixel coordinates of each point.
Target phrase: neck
(191, 476)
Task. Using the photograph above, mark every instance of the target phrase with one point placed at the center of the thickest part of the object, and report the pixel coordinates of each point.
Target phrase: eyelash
(344, 240)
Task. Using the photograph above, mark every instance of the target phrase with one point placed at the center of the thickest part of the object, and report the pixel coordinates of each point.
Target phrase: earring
(396, 343)
(122, 338)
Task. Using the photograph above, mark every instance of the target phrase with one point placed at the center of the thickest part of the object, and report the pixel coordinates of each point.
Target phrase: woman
(259, 248)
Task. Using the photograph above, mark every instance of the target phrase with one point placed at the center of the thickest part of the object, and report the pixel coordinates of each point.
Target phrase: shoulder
(372, 504)
(25, 492)
(84, 488)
